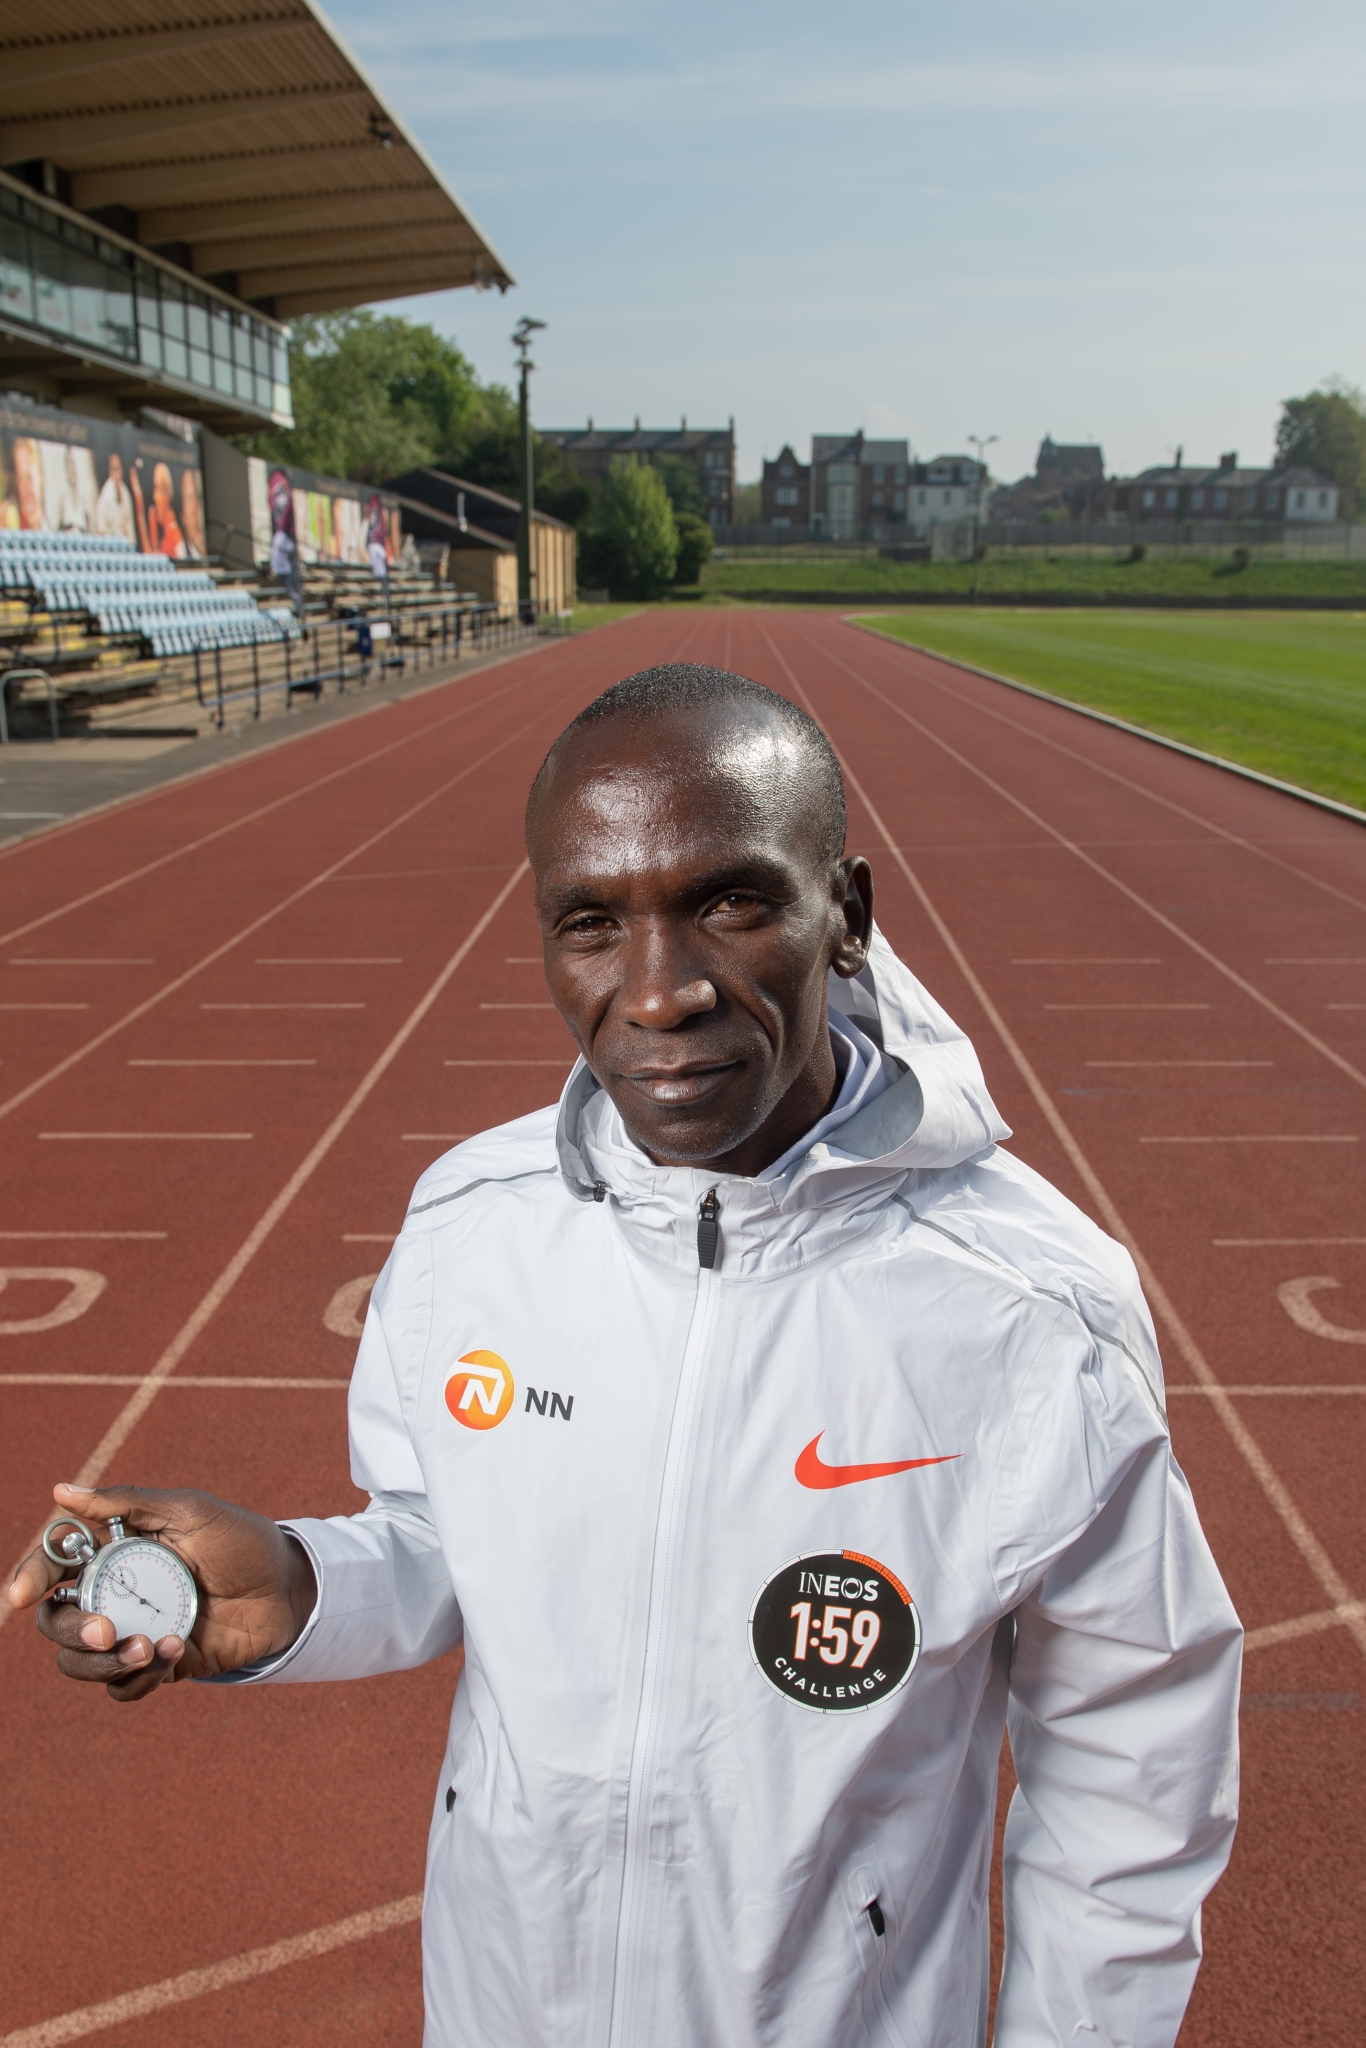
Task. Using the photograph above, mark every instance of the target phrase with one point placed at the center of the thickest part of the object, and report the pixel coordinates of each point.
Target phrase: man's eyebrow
(770, 877)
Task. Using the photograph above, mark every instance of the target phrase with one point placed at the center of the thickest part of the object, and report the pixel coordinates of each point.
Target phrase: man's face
(689, 922)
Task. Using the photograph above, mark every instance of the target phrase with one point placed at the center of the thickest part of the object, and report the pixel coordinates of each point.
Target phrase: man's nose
(664, 983)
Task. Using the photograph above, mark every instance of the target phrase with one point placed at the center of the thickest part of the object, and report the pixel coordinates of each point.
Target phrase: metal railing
(341, 651)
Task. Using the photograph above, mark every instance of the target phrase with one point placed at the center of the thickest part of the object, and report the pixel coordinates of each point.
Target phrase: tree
(695, 541)
(1326, 430)
(376, 394)
(373, 395)
(631, 544)
(683, 485)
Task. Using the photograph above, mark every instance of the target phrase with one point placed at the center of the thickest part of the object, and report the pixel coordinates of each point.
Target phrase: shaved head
(744, 732)
(686, 834)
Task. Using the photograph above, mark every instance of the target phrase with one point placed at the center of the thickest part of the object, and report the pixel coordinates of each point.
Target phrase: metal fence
(355, 651)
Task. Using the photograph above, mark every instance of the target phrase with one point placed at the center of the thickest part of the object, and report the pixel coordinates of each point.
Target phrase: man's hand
(256, 1590)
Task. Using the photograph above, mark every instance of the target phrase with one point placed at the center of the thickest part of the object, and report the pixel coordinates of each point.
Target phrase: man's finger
(140, 1507)
(35, 1577)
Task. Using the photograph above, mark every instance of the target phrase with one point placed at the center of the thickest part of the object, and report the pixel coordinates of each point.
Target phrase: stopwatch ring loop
(58, 1557)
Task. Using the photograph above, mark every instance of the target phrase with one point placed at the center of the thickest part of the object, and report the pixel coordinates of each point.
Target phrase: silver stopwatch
(140, 1584)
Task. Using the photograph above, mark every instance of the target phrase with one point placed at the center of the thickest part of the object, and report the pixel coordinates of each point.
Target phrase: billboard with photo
(61, 473)
(327, 519)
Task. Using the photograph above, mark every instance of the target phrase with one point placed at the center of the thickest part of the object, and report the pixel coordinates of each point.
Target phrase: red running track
(1161, 966)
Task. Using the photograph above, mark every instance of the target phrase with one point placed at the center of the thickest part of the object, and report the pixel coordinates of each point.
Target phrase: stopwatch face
(144, 1589)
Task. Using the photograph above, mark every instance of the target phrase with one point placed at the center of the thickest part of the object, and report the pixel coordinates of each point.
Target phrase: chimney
(683, 424)
(590, 422)
(1229, 461)
(637, 422)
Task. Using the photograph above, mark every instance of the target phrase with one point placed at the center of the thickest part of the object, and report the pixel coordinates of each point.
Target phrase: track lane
(985, 875)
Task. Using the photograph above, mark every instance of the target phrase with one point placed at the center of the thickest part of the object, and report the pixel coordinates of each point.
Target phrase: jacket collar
(936, 1113)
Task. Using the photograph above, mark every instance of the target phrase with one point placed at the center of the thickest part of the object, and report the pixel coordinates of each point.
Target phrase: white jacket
(722, 1768)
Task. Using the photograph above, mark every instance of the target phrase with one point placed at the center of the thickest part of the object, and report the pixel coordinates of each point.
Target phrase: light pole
(521, 341)
(981, 445)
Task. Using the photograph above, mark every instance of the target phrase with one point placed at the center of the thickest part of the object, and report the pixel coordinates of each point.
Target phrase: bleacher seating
(123, 592)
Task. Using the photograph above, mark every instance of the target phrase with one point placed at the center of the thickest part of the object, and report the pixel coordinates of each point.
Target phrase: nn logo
(560, 1404)
(479, 1393)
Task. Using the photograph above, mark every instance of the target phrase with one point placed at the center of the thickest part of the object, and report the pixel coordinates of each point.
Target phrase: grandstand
(176, 183)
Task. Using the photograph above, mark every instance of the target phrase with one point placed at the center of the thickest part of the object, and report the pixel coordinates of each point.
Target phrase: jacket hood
(934, 1113)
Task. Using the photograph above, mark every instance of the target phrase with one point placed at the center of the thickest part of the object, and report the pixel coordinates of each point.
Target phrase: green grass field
(1284, 692)
(1035, 576)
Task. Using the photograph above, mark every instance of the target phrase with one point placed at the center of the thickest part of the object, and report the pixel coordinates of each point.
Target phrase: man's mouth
(681, 1086)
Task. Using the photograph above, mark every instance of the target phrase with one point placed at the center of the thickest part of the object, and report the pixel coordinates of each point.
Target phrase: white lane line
(95, 1236)
(522, 960)
(388, 960)
(255, 1962)
(1180, 1063)
(1277, 1493)
(1345, 1006)
(135, 1137)
(1248, 1241)
(1344, 1614)
(1277, 1393)
(266, 917)
(44, 1006)
(1159, 917)
(37, 960)
(12, 817)
(294, 795)
(1128, 1006)
(141, 1379)
(894, 653)
(222, 1063)
(1261, 1138)
(1147, 960)
(368, 1236)
(133, 1410)
(282, 1006)
(436, 1137)
(1330, 960)
(497, 867)
(516, 1006)
(566, 1061)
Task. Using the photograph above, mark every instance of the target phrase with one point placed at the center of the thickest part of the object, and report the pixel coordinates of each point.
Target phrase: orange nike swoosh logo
(809, 1470)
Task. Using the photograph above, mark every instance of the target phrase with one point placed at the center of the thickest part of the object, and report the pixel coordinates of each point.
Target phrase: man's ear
(854, 885)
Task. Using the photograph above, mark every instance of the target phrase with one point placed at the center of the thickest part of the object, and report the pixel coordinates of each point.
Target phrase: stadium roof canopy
(240, 139)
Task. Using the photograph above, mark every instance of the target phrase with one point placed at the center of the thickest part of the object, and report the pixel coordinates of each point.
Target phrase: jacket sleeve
(385, 1598)
(1123, 1725)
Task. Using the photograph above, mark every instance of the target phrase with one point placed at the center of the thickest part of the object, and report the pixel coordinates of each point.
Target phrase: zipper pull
(708, 1228)
(599, 1191)
(877, 1919)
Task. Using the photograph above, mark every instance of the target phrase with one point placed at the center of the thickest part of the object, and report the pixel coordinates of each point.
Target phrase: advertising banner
(326, 519)
(60, 473)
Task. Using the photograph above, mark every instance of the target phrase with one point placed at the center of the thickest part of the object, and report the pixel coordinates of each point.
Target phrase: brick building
(858, 487)
(711, 451)
(1228, 493)
(785, 491)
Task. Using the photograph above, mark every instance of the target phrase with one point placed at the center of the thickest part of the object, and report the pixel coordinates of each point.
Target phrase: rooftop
(239, 137)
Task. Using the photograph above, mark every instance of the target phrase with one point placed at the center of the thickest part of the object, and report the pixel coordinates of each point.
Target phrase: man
(772, 1437)
(114, 506)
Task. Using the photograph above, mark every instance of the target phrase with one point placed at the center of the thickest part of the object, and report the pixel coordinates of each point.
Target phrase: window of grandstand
(58, 276)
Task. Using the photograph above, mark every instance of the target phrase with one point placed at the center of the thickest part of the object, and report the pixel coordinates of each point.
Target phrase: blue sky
(1140, 225)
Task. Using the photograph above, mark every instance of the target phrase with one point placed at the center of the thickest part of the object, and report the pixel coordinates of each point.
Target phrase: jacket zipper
(664, 1575)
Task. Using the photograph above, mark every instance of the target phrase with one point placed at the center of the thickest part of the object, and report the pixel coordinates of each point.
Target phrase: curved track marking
(1296, 1298)
(133, 1410)
(83, 1290)
(342, 1314)
(1315, 1556)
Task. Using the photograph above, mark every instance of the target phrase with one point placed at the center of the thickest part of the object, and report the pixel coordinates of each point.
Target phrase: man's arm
(1123, 1725)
